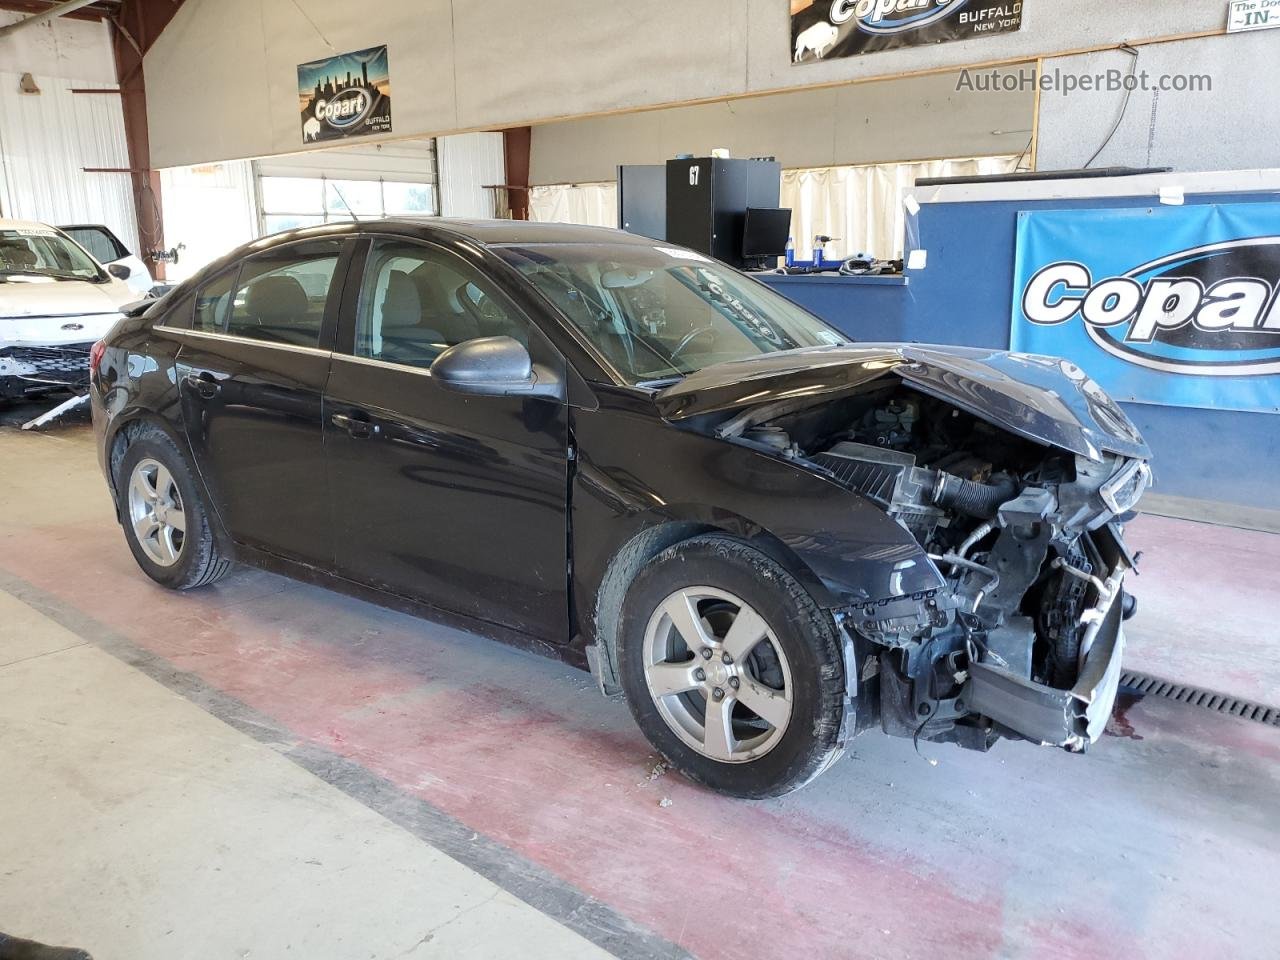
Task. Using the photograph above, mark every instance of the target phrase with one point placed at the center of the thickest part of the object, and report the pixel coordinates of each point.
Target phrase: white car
(105, 247)
(56, 301)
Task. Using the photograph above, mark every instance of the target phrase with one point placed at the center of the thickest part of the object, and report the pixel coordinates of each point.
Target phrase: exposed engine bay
(1023, 639)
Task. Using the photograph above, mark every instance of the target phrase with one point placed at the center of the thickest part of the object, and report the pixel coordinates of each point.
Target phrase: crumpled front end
(1023, 636)
(39, 353)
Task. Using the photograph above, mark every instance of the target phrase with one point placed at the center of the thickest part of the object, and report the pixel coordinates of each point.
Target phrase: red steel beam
(134, 28)
(516, 143)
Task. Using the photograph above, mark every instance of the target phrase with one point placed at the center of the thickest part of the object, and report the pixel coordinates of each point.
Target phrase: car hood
(45, 297)
(1044, 399)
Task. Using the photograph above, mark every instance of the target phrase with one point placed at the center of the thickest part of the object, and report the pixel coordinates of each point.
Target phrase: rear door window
(280, 296)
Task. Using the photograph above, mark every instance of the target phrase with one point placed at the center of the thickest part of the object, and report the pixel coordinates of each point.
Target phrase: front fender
(634, 472)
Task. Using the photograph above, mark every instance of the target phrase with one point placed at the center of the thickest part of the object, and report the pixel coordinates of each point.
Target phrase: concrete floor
(265, 769)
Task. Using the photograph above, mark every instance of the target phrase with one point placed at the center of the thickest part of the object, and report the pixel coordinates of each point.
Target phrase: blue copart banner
(1175, 305)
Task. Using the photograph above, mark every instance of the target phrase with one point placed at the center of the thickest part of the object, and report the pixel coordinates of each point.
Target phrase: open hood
(1043, 399)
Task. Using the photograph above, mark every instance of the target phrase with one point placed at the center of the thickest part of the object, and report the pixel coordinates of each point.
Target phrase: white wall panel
(915, 118)
(1234, 125)
(46, 142)
(209, 210)
(468, 163)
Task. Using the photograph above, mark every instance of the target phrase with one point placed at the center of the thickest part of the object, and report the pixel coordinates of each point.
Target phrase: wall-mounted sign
(824, 29)
(345, 96)
(1171, 305)
(1252, 15)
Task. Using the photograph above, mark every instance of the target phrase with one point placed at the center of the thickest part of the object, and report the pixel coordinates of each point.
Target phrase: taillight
(95, 356)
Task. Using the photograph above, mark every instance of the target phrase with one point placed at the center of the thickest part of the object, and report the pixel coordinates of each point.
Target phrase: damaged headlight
(1123, 491)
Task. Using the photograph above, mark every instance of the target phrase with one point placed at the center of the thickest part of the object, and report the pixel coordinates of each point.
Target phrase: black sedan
(628, 456)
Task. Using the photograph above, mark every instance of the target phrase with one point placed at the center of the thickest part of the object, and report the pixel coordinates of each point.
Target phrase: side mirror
(494, 367)
(118, 270)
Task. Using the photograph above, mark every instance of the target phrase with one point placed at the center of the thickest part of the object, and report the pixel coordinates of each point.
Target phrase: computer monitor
(765, 232)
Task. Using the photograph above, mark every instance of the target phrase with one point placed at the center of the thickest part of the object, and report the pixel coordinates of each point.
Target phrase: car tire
(157, 494)
(797, 663)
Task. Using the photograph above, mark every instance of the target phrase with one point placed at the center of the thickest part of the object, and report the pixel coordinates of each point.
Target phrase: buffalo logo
(1212, 310)
(893, 16)
(346, 109)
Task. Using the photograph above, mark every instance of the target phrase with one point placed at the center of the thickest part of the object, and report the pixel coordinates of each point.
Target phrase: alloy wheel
(718, 675)
(156, 512)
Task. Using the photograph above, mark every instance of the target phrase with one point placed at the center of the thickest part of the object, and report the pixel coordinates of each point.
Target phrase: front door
(454, 500)
(251, 374)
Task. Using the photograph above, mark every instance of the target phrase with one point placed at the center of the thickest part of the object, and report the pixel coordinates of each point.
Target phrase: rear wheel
(731, 670)
(165, 520)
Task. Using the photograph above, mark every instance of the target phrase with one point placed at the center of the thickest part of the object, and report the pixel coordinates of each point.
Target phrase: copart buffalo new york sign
(1171, 305)
(823, 29)
(345, 96)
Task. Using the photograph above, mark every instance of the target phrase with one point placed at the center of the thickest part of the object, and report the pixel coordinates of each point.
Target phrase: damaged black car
(769, 539)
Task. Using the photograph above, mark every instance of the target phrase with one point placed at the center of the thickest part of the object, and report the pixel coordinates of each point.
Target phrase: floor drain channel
(1149, 686)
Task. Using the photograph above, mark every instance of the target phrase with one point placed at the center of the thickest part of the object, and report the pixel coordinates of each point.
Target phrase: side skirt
(571, 654)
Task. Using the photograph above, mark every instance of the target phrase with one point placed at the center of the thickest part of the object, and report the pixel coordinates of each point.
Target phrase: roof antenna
(344, 200)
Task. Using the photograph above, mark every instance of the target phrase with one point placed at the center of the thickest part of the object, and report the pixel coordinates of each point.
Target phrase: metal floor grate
(1149, 686)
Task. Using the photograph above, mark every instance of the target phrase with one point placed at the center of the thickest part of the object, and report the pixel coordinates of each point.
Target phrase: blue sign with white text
(1176, 305)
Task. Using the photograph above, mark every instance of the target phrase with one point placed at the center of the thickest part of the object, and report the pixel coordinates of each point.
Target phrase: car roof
(481, 232)
(7, 224)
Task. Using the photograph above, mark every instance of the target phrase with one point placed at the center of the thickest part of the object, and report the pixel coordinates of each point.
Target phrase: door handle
(358, 427)
(204, 384)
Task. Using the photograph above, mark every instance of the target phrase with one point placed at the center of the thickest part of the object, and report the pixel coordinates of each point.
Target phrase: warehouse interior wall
(222, 78)
(1229, 123)
(49, 138)
(915, 118)
(208, 210)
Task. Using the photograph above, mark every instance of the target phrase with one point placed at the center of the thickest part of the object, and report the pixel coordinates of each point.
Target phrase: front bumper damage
(1073, 718)
(26, 369)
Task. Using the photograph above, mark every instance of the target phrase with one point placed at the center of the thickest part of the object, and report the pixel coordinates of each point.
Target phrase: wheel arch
(649, 536)
(130, 426)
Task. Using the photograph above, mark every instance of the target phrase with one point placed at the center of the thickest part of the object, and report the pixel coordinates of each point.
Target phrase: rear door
(251, 373)
(458, 501)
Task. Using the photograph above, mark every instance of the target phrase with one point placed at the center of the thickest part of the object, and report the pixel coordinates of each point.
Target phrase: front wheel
(731, 670)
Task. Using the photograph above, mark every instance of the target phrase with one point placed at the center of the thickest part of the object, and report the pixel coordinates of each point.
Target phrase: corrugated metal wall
(46, 141)
(468, 163)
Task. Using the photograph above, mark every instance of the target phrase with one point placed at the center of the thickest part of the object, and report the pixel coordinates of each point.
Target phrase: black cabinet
(707, 201)
(642, 199)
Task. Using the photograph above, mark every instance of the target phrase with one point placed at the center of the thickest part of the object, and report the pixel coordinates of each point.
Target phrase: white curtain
(592, 204)
(862, 206)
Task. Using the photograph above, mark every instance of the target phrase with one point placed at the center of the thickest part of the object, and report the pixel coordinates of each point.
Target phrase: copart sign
(1174, 305)
(824, 29)
(345, 96)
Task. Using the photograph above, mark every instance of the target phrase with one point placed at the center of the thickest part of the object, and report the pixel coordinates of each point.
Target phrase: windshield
(658, 313)
(39, 252)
